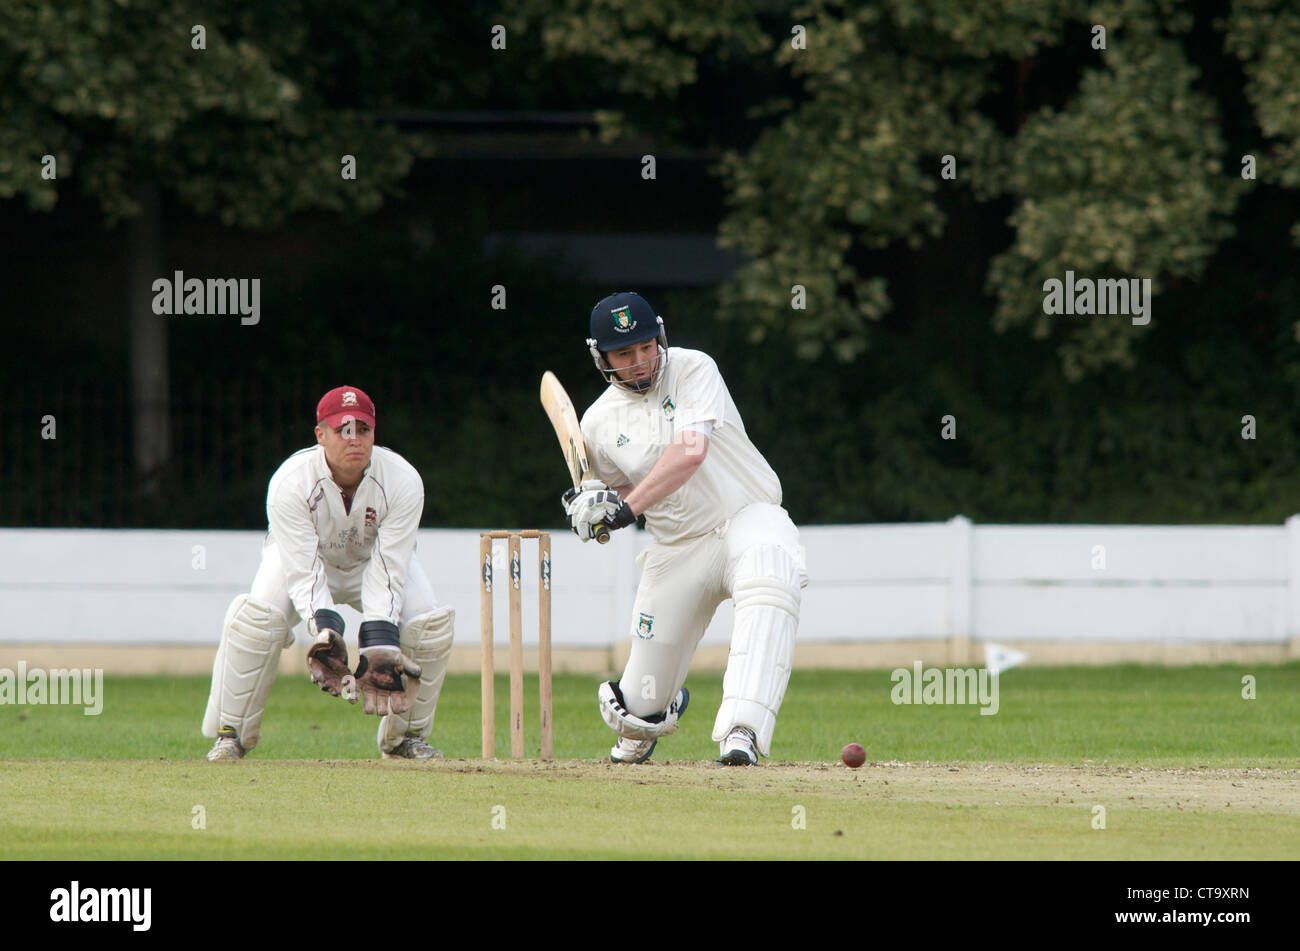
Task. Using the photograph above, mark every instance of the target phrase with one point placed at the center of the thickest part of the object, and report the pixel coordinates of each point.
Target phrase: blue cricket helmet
(623, 320)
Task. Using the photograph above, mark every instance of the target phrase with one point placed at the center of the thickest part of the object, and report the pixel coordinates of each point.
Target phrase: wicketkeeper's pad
(252, 638)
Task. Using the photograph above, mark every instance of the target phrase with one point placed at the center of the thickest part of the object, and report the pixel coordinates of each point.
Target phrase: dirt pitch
(473, 809)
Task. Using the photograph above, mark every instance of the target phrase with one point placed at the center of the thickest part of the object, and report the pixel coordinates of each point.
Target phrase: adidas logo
(622, 440)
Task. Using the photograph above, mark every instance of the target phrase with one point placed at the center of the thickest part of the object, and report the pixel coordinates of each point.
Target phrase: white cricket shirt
(315, 535)
(627, 432)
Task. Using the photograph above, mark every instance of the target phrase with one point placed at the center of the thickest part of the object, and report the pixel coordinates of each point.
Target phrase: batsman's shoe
(628, 750)
(227, 748)
(413, 746)
(738, 749)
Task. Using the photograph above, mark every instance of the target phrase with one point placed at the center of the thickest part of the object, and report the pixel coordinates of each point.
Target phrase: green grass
(1149, 716)
(1185, 767)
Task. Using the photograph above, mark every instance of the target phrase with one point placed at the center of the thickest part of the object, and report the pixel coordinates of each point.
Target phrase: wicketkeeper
(665, 440)
(343, 517)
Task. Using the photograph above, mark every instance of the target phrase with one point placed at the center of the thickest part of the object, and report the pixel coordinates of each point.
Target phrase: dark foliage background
(924, 296)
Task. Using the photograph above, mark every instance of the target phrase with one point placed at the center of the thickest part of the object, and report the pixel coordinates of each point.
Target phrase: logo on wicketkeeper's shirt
(643, 626)
(668, 407)
(623, 321)
(372, 517)
(622, 441)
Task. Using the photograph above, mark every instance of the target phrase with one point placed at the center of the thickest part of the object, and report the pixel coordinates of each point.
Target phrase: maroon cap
(344, 403)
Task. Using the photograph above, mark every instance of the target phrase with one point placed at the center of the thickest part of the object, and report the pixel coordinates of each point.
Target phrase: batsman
(666, 441)
(342, 517)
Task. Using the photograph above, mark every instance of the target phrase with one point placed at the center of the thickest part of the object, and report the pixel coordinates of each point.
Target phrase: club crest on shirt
(643, 625)
(372, 517)
(341, 539)
(622, 441)
(315, 500)
(668, 407)
(623, 321)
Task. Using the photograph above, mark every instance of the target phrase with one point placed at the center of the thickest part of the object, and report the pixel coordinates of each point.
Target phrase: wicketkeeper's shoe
(739, 749)
(413, 746)
(227, 748)
(630, 751)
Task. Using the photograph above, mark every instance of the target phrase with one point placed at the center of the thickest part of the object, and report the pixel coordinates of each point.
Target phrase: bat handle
(602, 534)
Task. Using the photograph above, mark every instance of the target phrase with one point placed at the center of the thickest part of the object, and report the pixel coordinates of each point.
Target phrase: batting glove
(595, 510)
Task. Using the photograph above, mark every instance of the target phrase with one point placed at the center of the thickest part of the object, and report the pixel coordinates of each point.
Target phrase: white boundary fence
(1075, 583)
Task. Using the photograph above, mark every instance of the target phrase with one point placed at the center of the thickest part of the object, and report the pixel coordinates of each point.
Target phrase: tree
(129, 102)
(122, 94)
(1112, 161)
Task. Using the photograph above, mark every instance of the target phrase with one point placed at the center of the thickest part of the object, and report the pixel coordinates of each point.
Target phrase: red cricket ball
(853, 755)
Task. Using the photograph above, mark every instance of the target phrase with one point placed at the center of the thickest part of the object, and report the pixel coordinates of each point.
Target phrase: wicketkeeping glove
(327, 658)
(379, 677)
(381, 670)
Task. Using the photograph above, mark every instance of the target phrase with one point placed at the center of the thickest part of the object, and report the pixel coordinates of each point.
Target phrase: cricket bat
(559, 408)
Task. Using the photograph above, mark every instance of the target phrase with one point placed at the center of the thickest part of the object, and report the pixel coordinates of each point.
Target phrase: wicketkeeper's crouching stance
(666, 436)
(343, 517)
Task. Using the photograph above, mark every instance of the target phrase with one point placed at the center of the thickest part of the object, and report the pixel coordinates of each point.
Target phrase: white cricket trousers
(681, 586)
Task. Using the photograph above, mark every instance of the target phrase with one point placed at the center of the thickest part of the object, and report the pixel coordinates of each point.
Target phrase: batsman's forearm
(669, 474)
